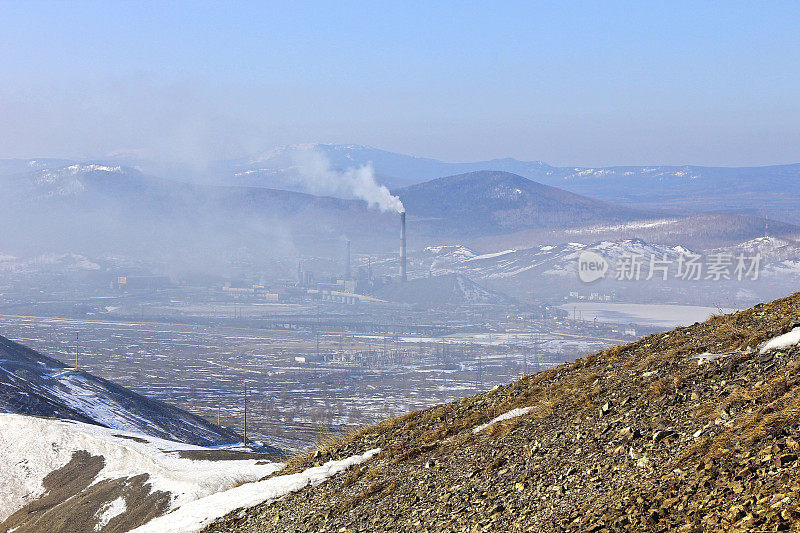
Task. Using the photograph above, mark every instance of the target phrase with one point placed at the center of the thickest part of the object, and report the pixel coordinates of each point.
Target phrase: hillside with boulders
(696, 429)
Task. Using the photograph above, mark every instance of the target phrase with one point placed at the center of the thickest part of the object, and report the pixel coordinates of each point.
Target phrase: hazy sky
(589, 83)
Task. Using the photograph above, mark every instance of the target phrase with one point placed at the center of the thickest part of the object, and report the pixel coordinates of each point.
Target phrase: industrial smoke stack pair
(403, 277)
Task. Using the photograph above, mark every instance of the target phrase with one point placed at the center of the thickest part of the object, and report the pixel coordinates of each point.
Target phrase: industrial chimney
(347, 261)
(403, 276)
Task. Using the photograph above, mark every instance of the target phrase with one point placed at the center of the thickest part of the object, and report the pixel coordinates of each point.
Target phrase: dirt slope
(636, 438)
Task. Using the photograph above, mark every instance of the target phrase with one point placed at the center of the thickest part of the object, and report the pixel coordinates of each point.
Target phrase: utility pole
(539, 344)
(245, 414)
(219, 407)
(76, 351)
(480, 370)
(524, 361)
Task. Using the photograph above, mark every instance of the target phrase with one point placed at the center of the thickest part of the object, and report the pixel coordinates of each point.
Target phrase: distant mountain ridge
(111, 209)
(483, 202)
(115, 204)
(772, 191)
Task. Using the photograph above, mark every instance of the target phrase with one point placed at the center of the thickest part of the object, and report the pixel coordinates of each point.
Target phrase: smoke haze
(315, 173)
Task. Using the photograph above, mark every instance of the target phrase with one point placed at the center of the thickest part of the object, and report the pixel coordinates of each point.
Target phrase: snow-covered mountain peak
(279, 154)
(769, 248)
(454, 251)
(70, 180)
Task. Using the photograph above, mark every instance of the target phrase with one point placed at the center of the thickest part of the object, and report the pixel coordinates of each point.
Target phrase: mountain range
(550, 271)
(767, 191)
(118, 209)
(99, 209)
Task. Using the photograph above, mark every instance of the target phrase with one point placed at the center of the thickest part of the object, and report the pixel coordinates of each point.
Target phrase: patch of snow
(110, 511)
(491, 255)
(706, 357)
(195, 515)
(76, 169)
(622, 227)
(33, 447)
(514, 413)
(782, 341)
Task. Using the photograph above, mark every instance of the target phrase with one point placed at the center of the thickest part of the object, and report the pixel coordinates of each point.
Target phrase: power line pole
(245, 414)
(76, 351)
(524, 361)
(219, 407)
(539, 347)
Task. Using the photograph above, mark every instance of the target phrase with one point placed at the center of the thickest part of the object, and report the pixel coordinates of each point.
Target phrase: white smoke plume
(315, 173)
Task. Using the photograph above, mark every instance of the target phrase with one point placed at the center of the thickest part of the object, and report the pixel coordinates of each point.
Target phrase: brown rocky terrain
(641, 437)
(71, 501)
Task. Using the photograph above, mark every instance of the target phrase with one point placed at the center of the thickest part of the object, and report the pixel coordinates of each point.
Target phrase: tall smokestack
(347, 261)
(403, 276)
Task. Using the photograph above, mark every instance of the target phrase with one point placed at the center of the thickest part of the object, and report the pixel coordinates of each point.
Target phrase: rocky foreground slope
(696, 429)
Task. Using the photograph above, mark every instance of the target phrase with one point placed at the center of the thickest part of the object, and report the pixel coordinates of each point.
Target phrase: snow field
(195, 515)
(34, 447)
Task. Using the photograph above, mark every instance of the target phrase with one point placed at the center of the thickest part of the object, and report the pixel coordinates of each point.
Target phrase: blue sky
(584, 83)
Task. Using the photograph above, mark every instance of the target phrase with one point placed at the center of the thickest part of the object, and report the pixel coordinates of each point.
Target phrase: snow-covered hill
(71, 180)
(68, 477)
(757, 269)
(771, 249)
(34, 384)
(81, 454)
(52, 262)
(58, 475)
(548, 260)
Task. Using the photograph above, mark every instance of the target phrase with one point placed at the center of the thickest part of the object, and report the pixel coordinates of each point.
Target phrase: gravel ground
(641, 437)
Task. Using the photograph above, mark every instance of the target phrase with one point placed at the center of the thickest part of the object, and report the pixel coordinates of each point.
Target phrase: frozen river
(657, 315)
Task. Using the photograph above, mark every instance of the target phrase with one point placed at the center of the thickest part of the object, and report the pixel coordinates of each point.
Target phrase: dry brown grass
(658, 388)
(575, 388)
(334, 441)
(324, 443)
(372, 489)
(781, 410)
(499, 461)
